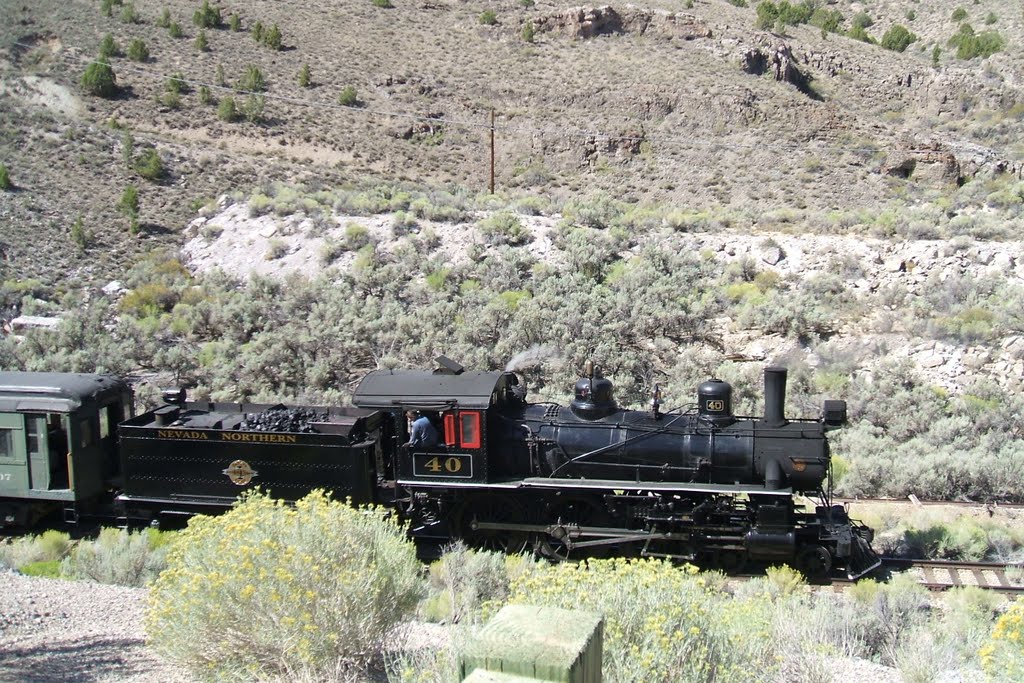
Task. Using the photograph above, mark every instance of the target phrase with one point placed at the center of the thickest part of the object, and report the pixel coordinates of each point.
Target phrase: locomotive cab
(465, 407)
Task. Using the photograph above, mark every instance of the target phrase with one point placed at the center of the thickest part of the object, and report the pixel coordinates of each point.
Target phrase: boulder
(1014, 347)
(976, 358)
(772, 255)
(429, 124)
(1002, 261)
(24, 322)
(192, 229)
(894, 264)
(113, 288)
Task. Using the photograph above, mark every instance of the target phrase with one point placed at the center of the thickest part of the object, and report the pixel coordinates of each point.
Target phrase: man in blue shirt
(423, 433)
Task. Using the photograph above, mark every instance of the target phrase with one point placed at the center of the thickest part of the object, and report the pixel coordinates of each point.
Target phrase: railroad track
(931, 503)
(940, 575)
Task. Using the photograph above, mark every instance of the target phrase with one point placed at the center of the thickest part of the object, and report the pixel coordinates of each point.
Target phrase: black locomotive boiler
(589, 479)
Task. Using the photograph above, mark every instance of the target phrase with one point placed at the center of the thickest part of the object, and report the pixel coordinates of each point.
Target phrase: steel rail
(996, 505)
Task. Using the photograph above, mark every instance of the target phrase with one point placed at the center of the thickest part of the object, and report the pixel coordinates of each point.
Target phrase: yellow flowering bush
(662, 623)
(1002, 657)
(273, 591)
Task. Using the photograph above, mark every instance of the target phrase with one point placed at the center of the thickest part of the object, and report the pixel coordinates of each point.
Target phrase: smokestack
(774, 396)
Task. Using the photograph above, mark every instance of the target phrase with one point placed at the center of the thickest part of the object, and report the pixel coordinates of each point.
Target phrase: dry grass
(974, 533)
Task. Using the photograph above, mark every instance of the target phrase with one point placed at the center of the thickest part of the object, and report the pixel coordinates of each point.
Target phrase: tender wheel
(494, 509)
(568, 514)
(814, 561)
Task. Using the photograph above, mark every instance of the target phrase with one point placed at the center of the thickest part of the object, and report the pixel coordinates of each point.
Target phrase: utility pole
(492, 152)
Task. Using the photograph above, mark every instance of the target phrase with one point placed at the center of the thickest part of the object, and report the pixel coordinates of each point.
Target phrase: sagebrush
(270, 590)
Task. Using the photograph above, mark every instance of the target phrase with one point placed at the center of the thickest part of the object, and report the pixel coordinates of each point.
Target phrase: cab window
(469, 427)
(104, 422)
(450, 436)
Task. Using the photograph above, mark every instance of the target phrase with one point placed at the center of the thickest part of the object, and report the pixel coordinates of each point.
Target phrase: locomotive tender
(578, 481)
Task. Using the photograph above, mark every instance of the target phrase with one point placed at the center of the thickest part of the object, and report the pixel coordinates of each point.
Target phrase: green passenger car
(58, 443)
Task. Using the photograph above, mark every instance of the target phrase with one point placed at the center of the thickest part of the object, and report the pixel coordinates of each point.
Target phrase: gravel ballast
(59, 631)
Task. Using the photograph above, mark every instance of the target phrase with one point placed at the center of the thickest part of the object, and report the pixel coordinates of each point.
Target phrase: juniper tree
(99, 79)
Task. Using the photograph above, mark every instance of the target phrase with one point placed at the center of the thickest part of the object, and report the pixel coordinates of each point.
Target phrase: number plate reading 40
(443, 465)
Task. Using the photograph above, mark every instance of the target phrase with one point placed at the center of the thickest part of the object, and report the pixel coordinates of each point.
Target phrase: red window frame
(451, 437)
(470, 419)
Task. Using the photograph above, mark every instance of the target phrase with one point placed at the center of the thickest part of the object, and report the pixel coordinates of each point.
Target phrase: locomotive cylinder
(770, 545)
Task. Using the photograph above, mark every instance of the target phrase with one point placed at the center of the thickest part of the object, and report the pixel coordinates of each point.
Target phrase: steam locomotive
(582, 480)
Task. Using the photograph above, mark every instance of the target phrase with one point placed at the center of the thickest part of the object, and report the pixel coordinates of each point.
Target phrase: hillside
(678, 193)
(653, 104)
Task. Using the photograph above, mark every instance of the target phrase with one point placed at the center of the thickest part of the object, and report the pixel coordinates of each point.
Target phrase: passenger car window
(105, 422)
(86, 433)
(32, 433)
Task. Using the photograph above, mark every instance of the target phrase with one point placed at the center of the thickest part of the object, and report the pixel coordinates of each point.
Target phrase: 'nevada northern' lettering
(247, 437)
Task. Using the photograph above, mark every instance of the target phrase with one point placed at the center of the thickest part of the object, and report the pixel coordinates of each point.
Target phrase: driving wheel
(497, 510)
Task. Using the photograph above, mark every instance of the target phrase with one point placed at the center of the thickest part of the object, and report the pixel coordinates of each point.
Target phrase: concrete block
(539, 643)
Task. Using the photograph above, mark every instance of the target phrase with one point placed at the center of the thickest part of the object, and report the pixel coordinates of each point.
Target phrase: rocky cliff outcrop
(583, 23)
(778, 60)
(944, 162)
(927, 161)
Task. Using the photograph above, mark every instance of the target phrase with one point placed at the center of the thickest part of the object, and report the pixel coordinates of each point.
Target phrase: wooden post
(527, 643)
(492, 152)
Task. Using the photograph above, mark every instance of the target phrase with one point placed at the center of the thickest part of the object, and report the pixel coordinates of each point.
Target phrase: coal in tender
(282, 419)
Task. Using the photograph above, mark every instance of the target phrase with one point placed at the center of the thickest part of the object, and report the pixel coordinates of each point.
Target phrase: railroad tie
(954, 576)
(929, 578)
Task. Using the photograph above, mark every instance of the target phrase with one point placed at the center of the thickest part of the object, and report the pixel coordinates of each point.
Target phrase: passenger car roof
(54, 391)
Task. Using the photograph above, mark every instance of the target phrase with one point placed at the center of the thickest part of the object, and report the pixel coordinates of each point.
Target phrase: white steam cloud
(531, 357)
